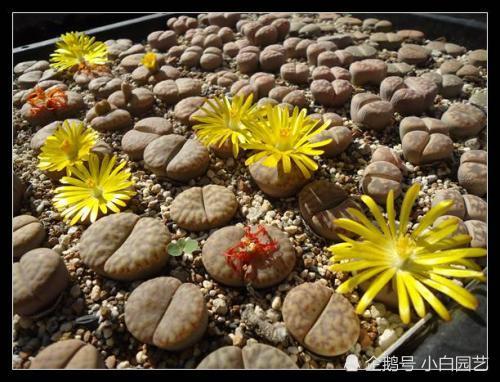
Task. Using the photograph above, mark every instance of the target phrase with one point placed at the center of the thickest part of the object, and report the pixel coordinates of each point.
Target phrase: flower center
(283, 143)
(404, 247)
(68, 149)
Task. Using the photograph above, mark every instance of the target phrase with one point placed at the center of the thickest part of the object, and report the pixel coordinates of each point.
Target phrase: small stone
(220, 306)
(387, 338)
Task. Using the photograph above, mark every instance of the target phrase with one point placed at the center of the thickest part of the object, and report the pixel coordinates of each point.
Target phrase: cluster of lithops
(255, 141)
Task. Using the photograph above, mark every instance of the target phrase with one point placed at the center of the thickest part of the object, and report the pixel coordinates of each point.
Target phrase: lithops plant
(172, 91)
(68, 354)
(466, 207)
(203, 208)
(186, 109)
(151, 72)
(254, 356)
(38, 280)
(125, 246)
(107, 117)
(383, 175)
(370, 71)
(321, 320)
(425, 140)
(409, 96)
(464, 120)
(371, 112)
(144, 132)
(27, 233)
(260, 255)
(320, 203)
(177, 158)
(330, 94)
(137, 101)
(473, 172)
(166, 313)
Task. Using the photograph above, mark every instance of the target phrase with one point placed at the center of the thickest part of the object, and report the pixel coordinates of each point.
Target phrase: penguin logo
(351, 363)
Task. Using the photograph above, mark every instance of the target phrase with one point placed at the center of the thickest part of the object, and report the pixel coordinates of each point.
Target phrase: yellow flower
(280, 137)
(414, 261)
(226, 119)
(69, 145)
(94, 187)
(150, 61)
(78, 51)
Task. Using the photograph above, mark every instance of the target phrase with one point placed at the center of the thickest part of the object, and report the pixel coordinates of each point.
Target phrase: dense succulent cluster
(241, 169)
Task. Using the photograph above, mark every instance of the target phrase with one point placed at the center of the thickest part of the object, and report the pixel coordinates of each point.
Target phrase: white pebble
(387, 338)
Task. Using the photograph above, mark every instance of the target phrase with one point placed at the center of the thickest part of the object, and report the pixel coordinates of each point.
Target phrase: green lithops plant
(183, 246)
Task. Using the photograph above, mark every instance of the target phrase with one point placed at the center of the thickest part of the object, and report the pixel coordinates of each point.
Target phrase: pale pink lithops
(361, 52)
(478, 231)
(412, 95)
(166, 313)
(107, 117)
(341, 138)
(162, 40)
(136, 101)
(272, 57)
(254, 356)
(473, 172)
(370, 71)
(247, 59)
(191, 56)
(320, 203)
(425, 140)
(172, 91)
(315, 49)
(68, 354)
(389, 41)
(211, 58)
(103, 87)
(464, 120)
(379, 178)
(124, 246)
(262, 256)
(38, 280)
(333, 93)
(466, 207)
(182, 23)
(174, 157)
(223, 19)
(478, 58)
(330, 74)
(296, 47)
(413, 54)
(187, 108)
(274, 182)
(223, 78)
(203, 208)
(27, 233)
(370, 112)
(144, 132)
(143, 75)
(321, 320)
(295, 73)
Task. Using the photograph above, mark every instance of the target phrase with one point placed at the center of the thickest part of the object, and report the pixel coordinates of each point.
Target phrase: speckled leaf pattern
(147, 305)
(184, 321)
(104, 237)
(142, 253)
(302, 307)
(336, 330)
